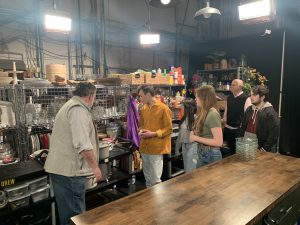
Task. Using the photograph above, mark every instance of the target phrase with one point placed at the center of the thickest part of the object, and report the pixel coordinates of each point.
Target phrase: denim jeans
(190, 156)
(207, 155)
(152, 168)
(69, 195)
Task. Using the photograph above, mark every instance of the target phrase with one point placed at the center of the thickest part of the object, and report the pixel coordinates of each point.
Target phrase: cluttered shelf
(4, 213)
(161, 85)
(117, 152)
(117, 175)
(219, 70)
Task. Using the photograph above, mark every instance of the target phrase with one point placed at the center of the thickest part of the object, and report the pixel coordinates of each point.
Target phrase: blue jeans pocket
(208, 155)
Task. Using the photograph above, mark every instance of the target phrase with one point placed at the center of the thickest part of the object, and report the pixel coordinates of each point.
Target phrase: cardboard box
(164, 79)
(132, 78)
(151, 78)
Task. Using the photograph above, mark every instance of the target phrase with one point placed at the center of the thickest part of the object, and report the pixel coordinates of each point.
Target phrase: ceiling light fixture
(165, 2)
(206, 12)
(56, 23)
(255, 9)
(148, 38)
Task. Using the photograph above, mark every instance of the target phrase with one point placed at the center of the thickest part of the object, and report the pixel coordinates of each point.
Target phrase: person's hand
(141, 133)
(98, 174)
(192, 136)
(147, 134)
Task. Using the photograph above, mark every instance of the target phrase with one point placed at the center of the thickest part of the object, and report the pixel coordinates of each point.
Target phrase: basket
(58, 70)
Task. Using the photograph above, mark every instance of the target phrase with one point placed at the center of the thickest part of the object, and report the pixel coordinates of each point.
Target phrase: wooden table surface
(229, 192)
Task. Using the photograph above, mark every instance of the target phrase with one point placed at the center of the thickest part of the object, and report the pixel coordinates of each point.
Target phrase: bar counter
(228, 192)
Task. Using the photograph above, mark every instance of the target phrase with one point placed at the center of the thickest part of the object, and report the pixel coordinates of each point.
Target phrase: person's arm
(89, 156)
(247, 103)
(273, 131)
(79, 123)
(216, 141)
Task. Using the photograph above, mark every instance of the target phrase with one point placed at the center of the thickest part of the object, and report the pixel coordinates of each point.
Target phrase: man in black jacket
(261, 120)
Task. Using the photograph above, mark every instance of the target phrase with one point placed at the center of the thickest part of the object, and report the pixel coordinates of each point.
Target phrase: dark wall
(290, 122)
(263, 53)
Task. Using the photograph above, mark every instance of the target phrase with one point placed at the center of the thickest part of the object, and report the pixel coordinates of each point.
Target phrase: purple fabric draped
(132, 122)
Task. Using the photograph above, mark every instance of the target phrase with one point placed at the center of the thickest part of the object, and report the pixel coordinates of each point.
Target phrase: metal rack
(36, 108)
(8, 133)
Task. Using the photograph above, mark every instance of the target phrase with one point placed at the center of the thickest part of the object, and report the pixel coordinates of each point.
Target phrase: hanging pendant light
(206, 12)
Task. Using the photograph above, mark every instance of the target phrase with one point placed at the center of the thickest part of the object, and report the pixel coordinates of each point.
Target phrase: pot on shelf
(90, 182)
(104, 148)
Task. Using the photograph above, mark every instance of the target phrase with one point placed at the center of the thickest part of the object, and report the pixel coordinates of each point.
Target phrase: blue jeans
(207, 155)
(69, 195)
(189, 156)
(152, 168)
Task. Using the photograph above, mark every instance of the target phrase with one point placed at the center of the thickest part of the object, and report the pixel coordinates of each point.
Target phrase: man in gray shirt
(73, 153)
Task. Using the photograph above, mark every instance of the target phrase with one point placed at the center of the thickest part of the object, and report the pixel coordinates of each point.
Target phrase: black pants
(230, 136)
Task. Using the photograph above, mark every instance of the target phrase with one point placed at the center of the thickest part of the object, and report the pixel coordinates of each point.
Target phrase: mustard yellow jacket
(157, 119)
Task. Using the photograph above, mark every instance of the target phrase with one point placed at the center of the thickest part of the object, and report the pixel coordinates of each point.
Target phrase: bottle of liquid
(183, 92)
(171, 80)
(227, 86)
(29, 111)
(158, 71)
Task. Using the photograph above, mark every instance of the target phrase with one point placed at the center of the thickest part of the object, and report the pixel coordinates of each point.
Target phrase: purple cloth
(132, 123)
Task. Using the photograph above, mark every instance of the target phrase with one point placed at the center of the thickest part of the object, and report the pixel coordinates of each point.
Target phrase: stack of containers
(19, 195)
(39, 189)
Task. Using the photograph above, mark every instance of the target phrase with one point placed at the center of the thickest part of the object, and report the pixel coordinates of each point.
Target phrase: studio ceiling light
(255, 9)
(206, 12)
(149, 39)
(57, 23)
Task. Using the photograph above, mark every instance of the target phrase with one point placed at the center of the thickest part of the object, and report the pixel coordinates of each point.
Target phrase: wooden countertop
(229, 192)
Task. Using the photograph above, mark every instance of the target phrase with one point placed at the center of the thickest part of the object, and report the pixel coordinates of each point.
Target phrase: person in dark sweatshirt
(261, 120)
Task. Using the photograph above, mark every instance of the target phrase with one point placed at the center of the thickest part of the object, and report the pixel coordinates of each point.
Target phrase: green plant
(251, 78)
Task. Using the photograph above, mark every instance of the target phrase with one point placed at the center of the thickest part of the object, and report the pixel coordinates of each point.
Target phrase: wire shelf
(36, 108)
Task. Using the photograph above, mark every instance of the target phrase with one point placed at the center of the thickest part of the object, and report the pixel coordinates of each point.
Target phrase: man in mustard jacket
(155, 129)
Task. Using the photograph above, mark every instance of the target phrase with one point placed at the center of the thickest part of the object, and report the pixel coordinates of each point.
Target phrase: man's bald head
(236, 86)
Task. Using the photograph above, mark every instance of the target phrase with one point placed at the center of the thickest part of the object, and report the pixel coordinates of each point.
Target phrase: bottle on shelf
(29, 111)
(227, 86)
(159, 72)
